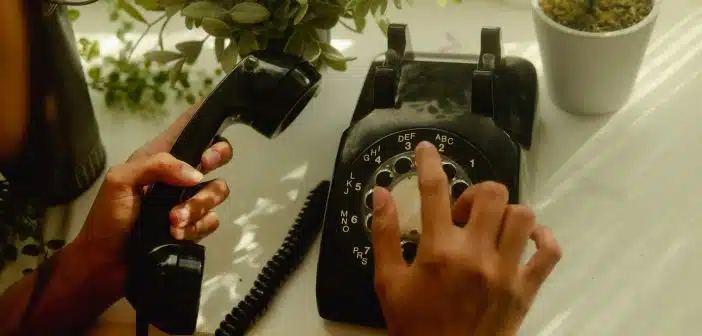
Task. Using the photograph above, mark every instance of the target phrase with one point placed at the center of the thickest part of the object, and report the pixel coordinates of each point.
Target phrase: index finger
(169, 137)
(164, 141)
(434, 191)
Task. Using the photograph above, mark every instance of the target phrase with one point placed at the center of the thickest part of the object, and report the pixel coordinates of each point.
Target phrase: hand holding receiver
(266, 91)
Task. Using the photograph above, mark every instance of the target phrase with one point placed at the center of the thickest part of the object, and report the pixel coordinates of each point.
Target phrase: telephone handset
(478, 110)
(165, 275)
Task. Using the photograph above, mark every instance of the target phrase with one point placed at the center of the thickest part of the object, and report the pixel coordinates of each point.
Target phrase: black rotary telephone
(478, 110)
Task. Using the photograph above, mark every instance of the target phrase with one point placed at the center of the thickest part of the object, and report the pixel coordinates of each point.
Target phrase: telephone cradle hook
(399, 48)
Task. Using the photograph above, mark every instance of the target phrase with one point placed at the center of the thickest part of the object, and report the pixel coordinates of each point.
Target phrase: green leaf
(94, 73)
(332, 54)
(163, 56)
(295, 44)
(190, 98)
(203, 9)
(324, 22)
(283, 13)
(249, 13)
(175, 71)
(72, 14)
(383, 23)
(312, 50)
(338, 65)
(94, 49)
(219, 48)
(151, 5)
(159, 97)
(166, 3)
(161, 77)
(378, 6)
(173, 9)
(230, 57)
(216, 28)
(190, 49)
(327, 9)
(247, 43)
(301, 12)
(128, 8)
(113, 16)
(305, 44)
(349, 7)
(360, 13)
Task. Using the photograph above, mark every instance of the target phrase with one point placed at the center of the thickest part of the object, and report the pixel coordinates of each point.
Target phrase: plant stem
(160, 32)
(143, 34)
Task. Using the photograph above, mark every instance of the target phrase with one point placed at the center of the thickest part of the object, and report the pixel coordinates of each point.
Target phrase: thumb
(385, 232)
(162, 167)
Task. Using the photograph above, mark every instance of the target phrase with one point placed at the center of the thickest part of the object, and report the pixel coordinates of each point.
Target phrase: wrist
(107, 273)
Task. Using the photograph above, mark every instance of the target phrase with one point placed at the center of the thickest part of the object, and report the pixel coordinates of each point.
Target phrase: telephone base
(478, 110)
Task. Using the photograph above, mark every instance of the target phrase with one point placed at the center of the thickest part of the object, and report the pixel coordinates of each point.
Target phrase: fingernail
(380, 197)
(191, 173)
(425, 144)
(183, 215)
(212, 157)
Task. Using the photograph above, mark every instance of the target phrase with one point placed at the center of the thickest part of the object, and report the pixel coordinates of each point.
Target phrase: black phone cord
(289, 256)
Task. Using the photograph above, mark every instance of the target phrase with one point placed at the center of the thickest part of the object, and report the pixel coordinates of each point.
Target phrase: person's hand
(464, 280)
(116, 205)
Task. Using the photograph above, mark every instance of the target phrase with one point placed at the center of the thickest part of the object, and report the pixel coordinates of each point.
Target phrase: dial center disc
(409, 205)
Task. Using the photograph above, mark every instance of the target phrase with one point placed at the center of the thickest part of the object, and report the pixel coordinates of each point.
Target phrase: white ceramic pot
(591, 73)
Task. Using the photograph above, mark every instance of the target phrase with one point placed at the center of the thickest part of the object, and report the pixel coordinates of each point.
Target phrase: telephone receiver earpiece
(266, 90)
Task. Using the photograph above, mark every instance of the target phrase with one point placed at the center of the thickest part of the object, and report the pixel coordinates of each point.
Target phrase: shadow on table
(269, 182)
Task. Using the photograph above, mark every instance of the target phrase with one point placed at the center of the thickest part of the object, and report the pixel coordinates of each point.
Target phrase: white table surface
(619, 192)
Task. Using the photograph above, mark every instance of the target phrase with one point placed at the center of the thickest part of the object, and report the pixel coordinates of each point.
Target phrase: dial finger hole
(450, 170)
(458, 187)
(383, 178)
(402, 165)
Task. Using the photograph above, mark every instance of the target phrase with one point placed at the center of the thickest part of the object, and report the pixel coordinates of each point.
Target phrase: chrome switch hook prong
(484, 76)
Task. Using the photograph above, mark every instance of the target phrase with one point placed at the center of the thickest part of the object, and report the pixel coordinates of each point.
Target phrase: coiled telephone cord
(288, 257)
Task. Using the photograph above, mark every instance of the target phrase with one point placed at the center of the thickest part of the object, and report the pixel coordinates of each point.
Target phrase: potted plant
(592, 50)
(235, 27)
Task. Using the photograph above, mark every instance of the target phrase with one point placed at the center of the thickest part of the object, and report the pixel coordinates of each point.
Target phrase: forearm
(78, 291)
